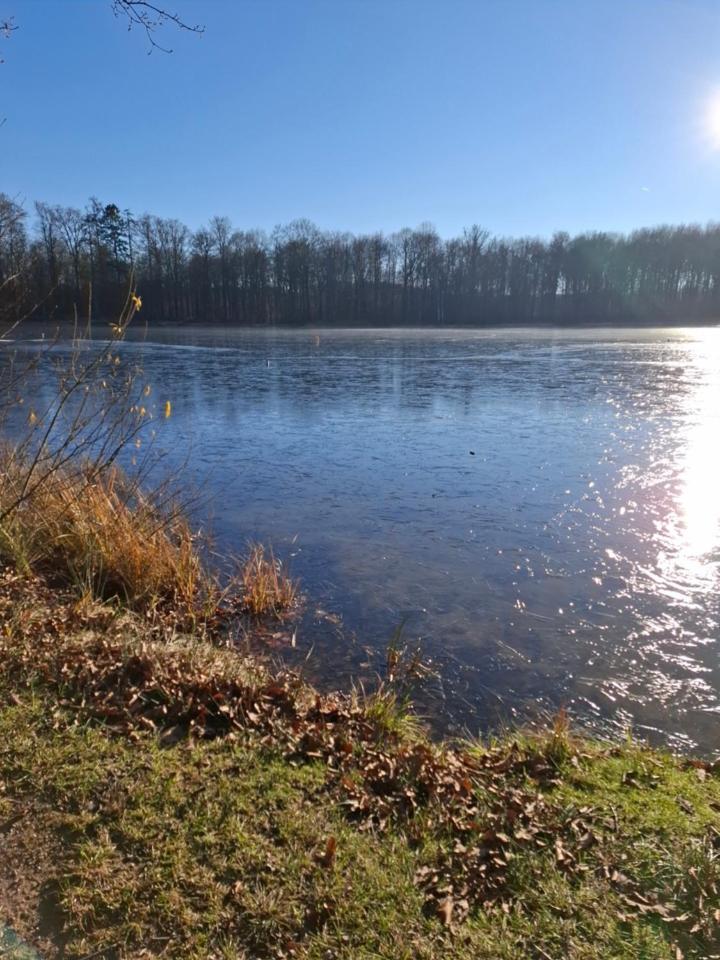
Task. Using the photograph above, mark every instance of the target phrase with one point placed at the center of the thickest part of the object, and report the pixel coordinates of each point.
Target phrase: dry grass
(102, 536)
(265, 587)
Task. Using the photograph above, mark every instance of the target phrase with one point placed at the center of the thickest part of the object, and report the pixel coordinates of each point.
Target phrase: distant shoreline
(394, 328)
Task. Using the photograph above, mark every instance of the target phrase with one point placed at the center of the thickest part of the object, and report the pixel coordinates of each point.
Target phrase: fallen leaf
(328, 858)
(445, 910)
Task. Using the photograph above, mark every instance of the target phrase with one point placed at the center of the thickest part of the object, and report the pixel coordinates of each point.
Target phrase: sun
(712, 120)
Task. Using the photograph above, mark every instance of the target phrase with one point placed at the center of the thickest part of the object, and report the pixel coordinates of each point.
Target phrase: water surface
(540, 509)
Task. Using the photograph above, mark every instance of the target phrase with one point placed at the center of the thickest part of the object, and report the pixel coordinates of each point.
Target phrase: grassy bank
(161, 796)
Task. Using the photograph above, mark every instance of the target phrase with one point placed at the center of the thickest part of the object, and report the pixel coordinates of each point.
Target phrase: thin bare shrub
(67, 509)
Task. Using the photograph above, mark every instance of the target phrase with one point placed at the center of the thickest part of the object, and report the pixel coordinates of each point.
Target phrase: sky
(524, 116)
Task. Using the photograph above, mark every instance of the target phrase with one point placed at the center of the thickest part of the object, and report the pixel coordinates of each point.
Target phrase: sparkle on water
(700, 501)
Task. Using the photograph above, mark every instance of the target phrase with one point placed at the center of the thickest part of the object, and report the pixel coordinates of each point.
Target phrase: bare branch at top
(150, 17)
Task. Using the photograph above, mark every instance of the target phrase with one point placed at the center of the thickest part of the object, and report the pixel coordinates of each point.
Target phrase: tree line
(64, 262)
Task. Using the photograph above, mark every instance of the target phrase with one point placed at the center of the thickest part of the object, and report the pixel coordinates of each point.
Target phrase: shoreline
(210, 325)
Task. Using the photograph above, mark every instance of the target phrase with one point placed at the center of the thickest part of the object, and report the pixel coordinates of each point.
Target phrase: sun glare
(712, 120)
(700, 506)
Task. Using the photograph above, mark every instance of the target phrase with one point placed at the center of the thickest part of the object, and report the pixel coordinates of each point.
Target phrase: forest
(63, 262)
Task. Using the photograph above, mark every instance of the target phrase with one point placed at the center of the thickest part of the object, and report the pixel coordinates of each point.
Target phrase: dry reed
(102, 535)
(264, 586)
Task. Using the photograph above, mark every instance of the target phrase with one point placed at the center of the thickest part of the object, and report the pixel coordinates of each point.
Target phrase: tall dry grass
(102, 535)
(265, 588)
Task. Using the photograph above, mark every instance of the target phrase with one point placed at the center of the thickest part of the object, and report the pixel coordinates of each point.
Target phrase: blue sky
(525, 116)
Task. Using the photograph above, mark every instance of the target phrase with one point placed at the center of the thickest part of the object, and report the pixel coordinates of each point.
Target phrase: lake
(538, 510)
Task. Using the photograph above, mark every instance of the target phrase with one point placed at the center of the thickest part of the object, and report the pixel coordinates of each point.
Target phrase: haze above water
(540, 509)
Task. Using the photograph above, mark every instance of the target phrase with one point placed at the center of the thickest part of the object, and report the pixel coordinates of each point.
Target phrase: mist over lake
(537, 509)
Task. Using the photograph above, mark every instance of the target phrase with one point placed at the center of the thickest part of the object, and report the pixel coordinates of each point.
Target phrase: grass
(217, 849)
(99, 534)
(104, 537)
(206, 849)
(389, 711)
(265, 589)
(192, 804)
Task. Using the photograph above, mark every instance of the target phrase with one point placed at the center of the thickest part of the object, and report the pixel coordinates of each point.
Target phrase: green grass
(218, 849)
(204, 849)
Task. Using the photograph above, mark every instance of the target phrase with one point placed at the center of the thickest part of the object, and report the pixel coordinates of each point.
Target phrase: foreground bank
(161, 796)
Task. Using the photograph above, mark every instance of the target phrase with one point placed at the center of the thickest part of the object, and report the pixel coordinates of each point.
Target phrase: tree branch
(7, 27)
(150, 18)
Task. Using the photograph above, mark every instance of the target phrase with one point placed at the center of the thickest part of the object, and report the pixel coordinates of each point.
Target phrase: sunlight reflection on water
(700, 500)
